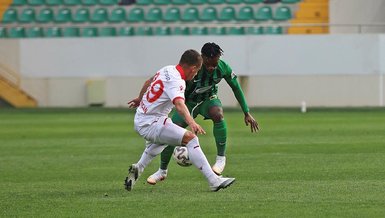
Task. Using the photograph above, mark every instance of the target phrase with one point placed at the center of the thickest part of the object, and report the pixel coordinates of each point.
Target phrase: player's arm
(134, 103)
(182, 109)
(238, 93)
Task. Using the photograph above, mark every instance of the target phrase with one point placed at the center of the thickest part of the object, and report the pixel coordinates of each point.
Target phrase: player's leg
(212, 109)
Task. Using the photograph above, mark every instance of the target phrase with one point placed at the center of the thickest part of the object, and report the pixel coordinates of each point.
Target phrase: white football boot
(157, 176)
(221, 183)
(133, 175)
(219, 165)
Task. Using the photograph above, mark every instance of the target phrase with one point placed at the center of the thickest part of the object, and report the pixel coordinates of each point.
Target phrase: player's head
(191, 62)
(211, 53)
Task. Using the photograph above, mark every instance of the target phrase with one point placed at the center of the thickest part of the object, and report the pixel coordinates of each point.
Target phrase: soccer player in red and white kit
(157, 98)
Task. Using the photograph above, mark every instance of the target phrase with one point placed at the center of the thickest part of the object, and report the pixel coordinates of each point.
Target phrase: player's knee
(188, 136)
(216, 114)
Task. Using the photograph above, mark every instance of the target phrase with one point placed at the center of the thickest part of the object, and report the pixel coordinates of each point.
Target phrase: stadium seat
(144, 31)
(264, 14)
(235, 2)
(143, 2)
(35, 2)
(27, 15)
(107, 31)
(190, 14)
(282, 13)
(53, 2)
(172, 14)
(108, 2)
(162, 31)
(34, 32)
(208, 14)
(245, 13)
(273, 30)
(16, 32)
(63, 16)
(3, 32)
(271, 1)
(254, 30)
(198, 2)
(53, 32)
(126, 31)
(217, 31)
(70, 32)
(117, 15)
(136, 15)
(89, 2)
(161, 2)
(216, 2)
(99, 15)
(199, 31)
(181, 31)
(81, 15)
(45, 16)
(72, 2)
(89, 32)
(154, 15)
(290, 1)
(252, 1)
(236, 31)
(179, 2)
(227, 14)
(19, 2)
(10, 16)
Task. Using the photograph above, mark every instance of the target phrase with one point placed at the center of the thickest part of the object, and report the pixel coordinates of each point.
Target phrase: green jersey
(204, 85)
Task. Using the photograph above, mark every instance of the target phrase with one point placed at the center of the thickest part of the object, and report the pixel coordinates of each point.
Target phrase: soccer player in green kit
(201, 98)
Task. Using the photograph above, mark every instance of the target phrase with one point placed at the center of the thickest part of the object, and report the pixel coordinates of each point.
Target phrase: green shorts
(201, 108)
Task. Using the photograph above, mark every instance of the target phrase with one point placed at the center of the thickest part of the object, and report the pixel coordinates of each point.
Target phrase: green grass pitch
(72, 163)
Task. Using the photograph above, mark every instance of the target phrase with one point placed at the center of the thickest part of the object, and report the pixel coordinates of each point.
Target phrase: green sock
(165, 157)
(220, 134)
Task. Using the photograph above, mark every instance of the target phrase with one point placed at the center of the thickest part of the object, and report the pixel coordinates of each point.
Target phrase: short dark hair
(211, 50)
(191, 57)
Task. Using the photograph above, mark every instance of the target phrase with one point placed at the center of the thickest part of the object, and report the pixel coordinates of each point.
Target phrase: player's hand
(196, 128)
(254, 126)
(134, 103)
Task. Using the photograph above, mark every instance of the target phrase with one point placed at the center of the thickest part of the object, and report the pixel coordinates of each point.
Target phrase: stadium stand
(90, 18)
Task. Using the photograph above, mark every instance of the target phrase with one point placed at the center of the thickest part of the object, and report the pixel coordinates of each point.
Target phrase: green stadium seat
(234, 2)
(136, 15)
(64, 15)
(53, 2)
(172, 14)
(276, 30)
(217, 31)
(271, 1)
(251, 2)
(3, 32)
(282, 13)
(216, 2)
(117, 15)
(19, 2)
(89, 2)
(126, 31)
(290, 1)
(154, 15)
(236, 31)
(162, 31)
(198, 2)
(208, 14)
(108, 2)
(143, 2)
(107, 31)
(72, 2)
(264, 14)
(161, 2)
(81, 15)
(199, 31)
(53, 32)
(254, 30)
(181, 31)
(245, 13)
(99, 15)
(179, 2)
(227, 14)
(10, 16)
(144, 31)
(45, 16)
(34, 32)
(35, 2)
(89, 32)
(70, 32)
(190, 14)
(16, 32)
(27, 16)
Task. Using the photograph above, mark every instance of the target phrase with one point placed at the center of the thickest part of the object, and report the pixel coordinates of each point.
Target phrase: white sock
(199, 160)
(151, 151)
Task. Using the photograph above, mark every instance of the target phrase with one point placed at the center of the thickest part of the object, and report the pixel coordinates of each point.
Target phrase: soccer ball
(180, 155)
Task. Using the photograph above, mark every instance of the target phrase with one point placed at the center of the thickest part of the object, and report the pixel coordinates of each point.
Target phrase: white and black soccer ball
(181, 157)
